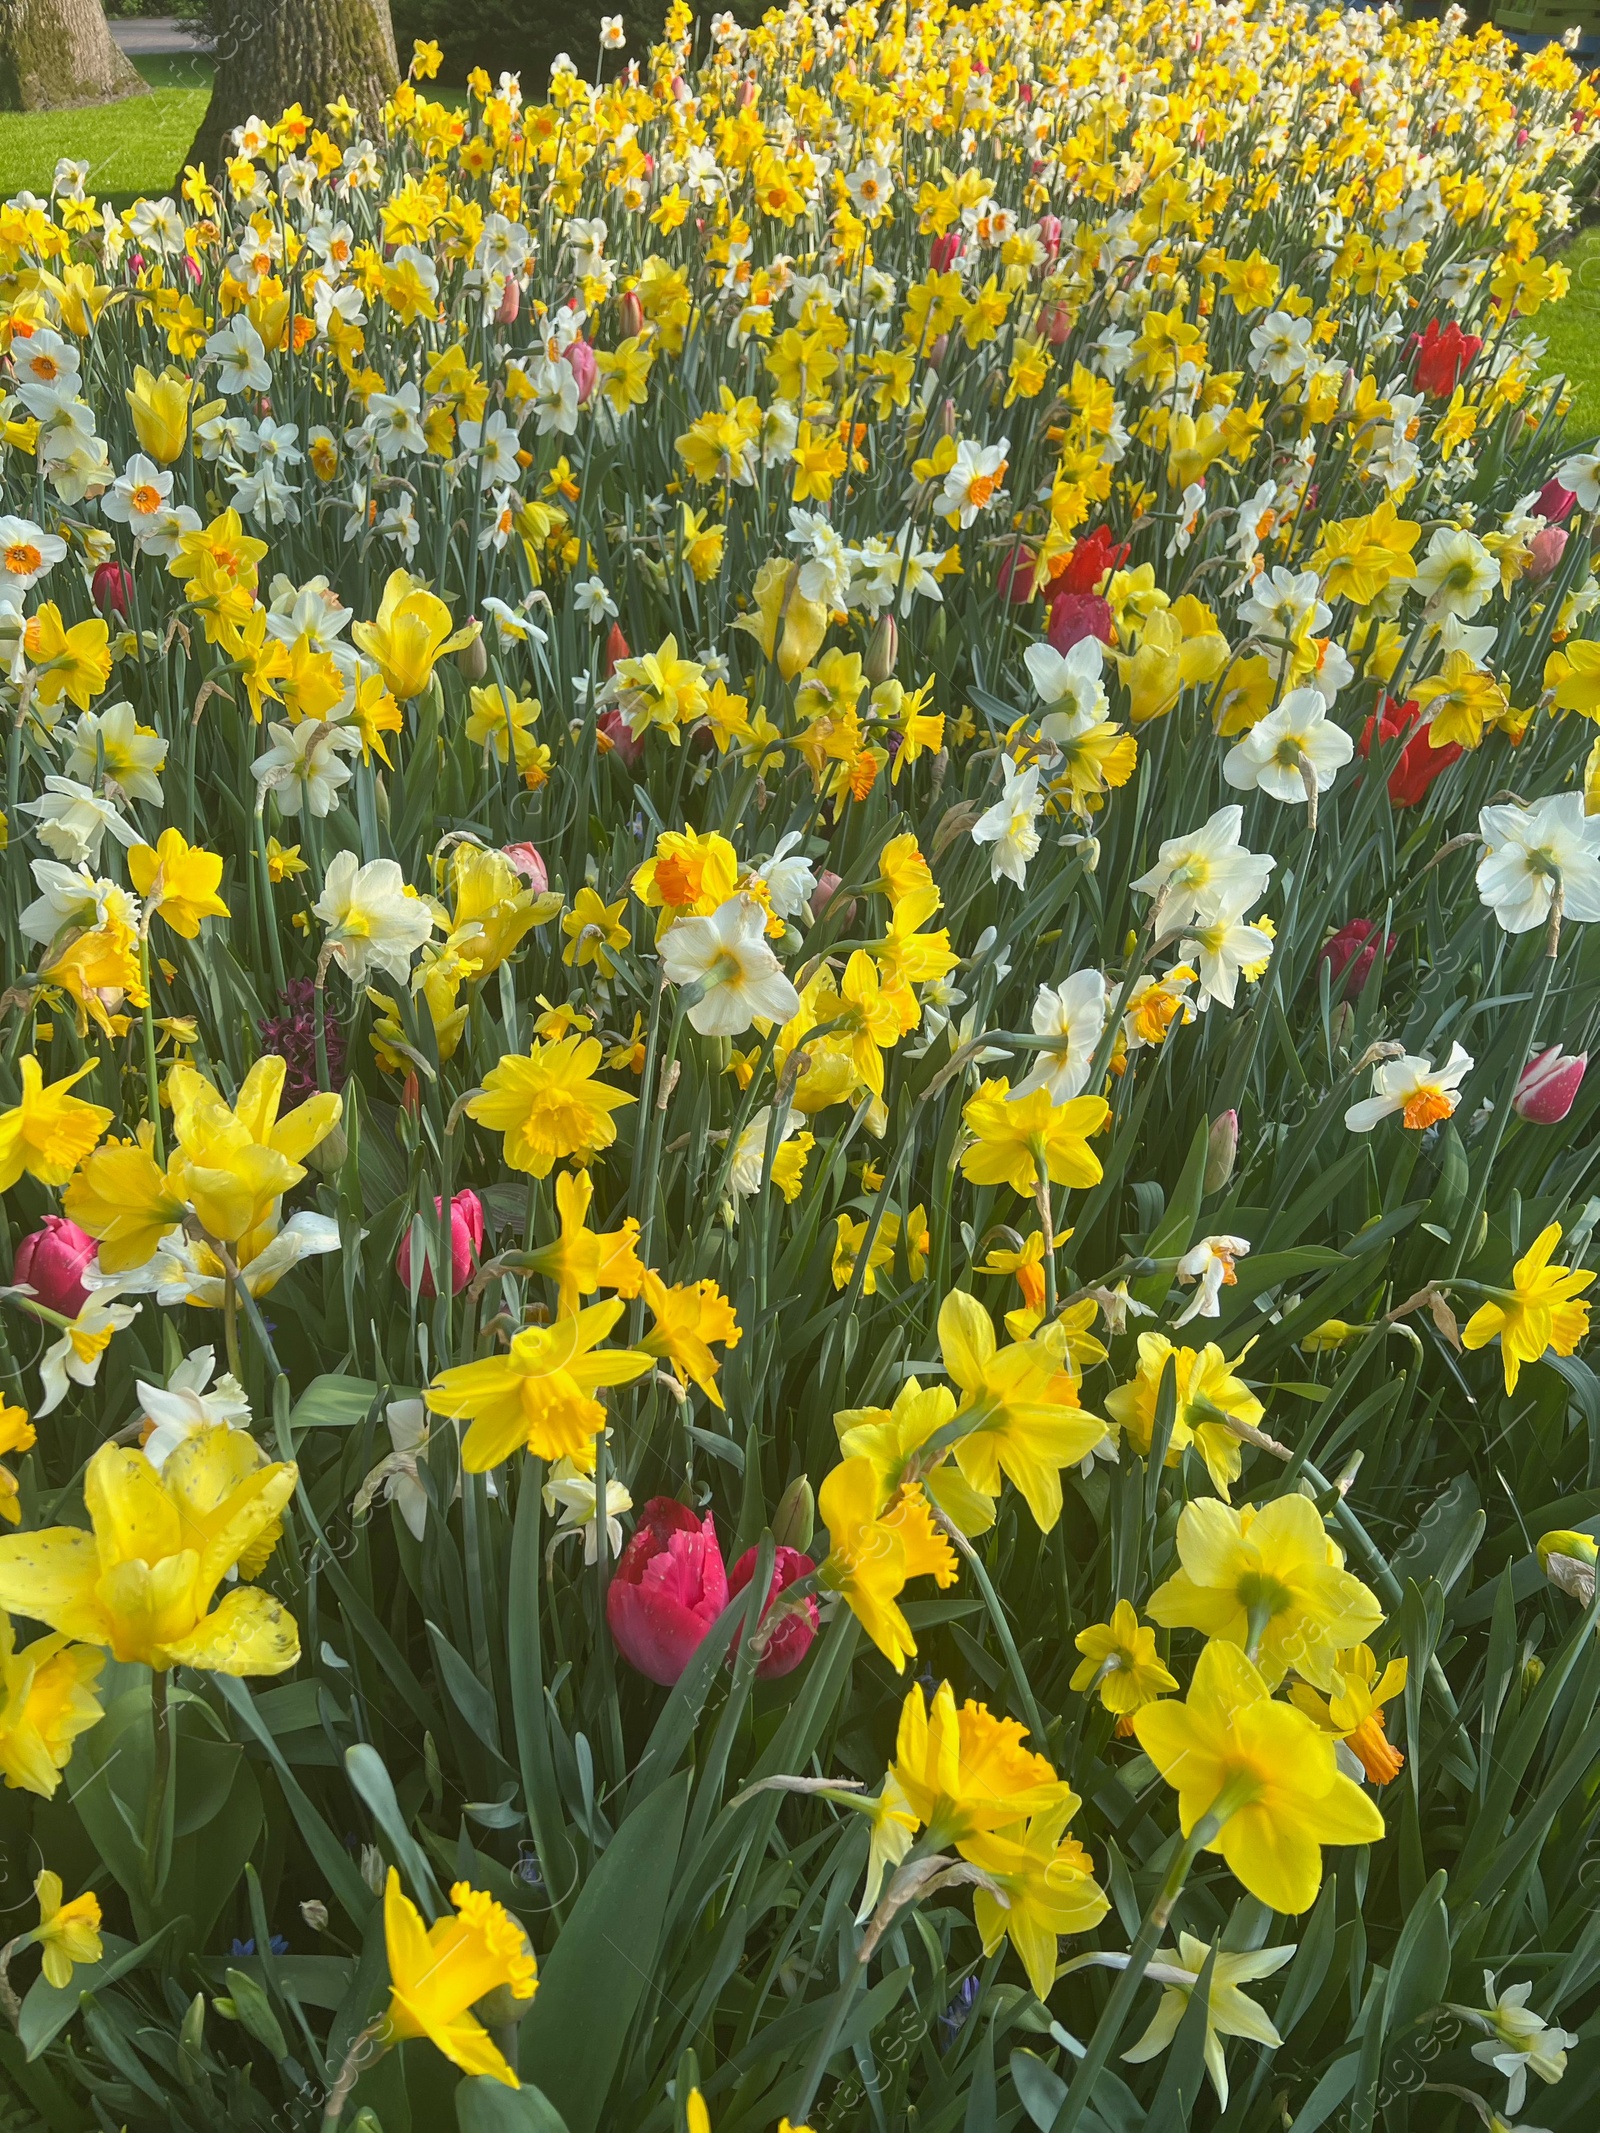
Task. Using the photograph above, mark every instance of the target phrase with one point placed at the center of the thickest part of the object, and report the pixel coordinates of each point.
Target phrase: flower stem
(152, 1072)
(155, 1813)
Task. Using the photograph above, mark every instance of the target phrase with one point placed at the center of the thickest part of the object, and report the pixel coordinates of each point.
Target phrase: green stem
(155, 1813)
(1002, 1628)
(152, 1073)
(1502, 1114)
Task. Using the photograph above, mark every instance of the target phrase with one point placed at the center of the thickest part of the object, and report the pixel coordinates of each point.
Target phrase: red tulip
(466, 1244)
(669, 1588)
(1554, 503)
(1419, 763)
(945, 251)
(1016, 578)
(510, 303)
(1443, 358)
(1088, 563)
(615, 732)
(1055, 322)
(1074, 616)
(1351, 954)
(617, 649)
(579, 359)
(52, 1261)
(112, 589)
(529, 864)
(791, 1640)
(1549, 1086)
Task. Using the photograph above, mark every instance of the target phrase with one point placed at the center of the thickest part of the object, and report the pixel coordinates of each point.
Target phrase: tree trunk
(54, 53)
(274, 53)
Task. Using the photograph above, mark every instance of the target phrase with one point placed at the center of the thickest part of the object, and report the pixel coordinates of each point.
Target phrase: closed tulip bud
(1050, 236)
(1548, 1086)
(617, 649)
(112, 588)
(630, 314)
(315, 1914)
(52, 1262)
(949, 420)
(529, 863)
(472, 660)
(669, 1588)
(329, 1153)
(1222, 1148)
(938, 349)
(945, 251)
(795, 1519)
(790, 1638)
(883, 649)
(466, 1242)
(510, 303)
(579, 359)
(1055, 323)
(616, 733)
(1545, 551)
(1017, 577)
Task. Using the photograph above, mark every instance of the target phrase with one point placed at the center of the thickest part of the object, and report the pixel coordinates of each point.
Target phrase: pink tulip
(630, 314)
(1548, 1086)
(1545, 551)
(669, 1588)
(945, 251)
(1055, 323)
(52, 1262)
(530, 865)
(579, 359)
(1050, 236)
(510, 304)
(1554, 502)
(791, 1640)
(466, 1244)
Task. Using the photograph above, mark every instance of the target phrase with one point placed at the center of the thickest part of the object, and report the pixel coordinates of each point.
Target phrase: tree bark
(55, 53)
(274, 53)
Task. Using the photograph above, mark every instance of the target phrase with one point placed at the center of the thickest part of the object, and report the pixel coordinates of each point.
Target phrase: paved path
(155, 36)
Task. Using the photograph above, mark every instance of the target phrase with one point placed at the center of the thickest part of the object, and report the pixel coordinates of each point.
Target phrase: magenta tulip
(579, 359)
(466, 1244)
(52, 1262)
(1549, 1086)
(791, 1640)
(529, 863)
(669, 1588)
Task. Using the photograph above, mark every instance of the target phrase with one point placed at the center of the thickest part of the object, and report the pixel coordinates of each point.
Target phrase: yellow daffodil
(68, 1933)
(50, 1131)
(875, 1547)
(1210, 1399)
(1019, 1408)
(1538, 1314)
(143, 1582)
(1044, 1887)
(688, 1317)
(548, 1105)
(47, 1698)
(1120, 1663)
(1269, 1581)
(539, 1395)
(1229, 1743)
(439, 1973)
(410, 636)
(179, 880)
(583, 1260)
(1015, 1137)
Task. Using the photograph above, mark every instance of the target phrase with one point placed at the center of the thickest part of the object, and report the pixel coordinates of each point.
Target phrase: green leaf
(367, 1773)
(334, 1403)
(1040, 2091)
(49, 2008)
(485, 2106)
(1172, 1235)
(594, 1977)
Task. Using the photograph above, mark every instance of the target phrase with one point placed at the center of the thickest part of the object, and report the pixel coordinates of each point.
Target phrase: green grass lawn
(1572, 330)
(131, 148)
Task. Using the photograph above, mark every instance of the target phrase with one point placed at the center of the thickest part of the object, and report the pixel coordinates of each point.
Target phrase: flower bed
(798, 874)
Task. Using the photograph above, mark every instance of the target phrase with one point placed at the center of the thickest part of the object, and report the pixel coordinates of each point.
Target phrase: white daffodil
(375, 920)
(1520, 2042)
(1068, 682)
(72, 821)
(111, 743)
(183, 1405)
(305, 765)
(727, 956)
(1411, 1085)
(72, 896)
(138, 494)
(1206, 867)
(746, 1171)
(1221, 943)
(1284, 603)
(240, 356)
(27, 553)
(973, 484)
(1457, 575)
(1529, 850)
(790, 882)
(1008, 825)
(1272, 756)
(1073, 1017)
(1209, 1267)
(1229, 2012)
(81, 1348)
(593, 601)
(574, 1494)
(1581, 474)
